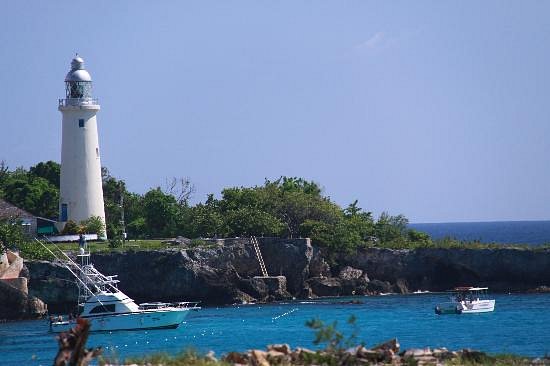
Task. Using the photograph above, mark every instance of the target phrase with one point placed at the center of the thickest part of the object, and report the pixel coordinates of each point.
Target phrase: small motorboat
(466, 300)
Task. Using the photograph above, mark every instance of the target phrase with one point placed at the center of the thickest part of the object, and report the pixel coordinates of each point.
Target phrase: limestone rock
(236, 358)
(283, 348)
(377, 286)
(350, 273)
(15, 304)
(392, 345)
(318, 267)
(259, 358)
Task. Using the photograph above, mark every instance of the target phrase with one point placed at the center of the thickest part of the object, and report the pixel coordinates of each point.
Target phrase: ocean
(503, 232)
(518, 325)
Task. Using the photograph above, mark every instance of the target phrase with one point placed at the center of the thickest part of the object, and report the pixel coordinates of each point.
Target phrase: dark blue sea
(503, 232)
(518, 325)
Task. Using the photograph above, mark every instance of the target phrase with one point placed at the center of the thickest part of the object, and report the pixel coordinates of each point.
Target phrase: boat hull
(160, 319)
(465, 307)
(481, 306)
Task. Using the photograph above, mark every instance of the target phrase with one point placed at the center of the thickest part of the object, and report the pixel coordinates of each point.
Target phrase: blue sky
(437, 110)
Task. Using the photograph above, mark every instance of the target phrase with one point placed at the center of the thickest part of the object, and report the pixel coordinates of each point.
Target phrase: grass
(33, 250)
(494, 360)
(449, 243)
(102, 247)
(186, 358)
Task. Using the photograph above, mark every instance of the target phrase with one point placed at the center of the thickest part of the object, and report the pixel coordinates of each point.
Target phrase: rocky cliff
(15, 302)
(224, 273)
(433, 269)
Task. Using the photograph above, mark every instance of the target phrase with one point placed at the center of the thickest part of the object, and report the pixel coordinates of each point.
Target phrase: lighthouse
(81, 192)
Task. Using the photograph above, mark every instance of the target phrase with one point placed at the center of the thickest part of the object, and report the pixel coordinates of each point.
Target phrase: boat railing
(191, 305)
(187, 304)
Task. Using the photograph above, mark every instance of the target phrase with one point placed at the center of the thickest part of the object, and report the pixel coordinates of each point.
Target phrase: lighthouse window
(80, 123)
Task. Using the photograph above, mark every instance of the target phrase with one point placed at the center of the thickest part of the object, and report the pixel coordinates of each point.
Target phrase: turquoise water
(518, 325)
(506, 232)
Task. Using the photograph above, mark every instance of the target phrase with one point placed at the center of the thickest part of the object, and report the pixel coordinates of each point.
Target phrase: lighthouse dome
(78, 72)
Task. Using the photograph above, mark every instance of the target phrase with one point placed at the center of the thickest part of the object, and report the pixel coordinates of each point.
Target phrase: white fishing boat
(467, 300)
(107, 308)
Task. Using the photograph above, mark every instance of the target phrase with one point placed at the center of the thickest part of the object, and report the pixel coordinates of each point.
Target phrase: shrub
(115, 242)
(71, 228)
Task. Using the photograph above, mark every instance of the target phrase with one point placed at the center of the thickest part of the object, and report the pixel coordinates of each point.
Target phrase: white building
(81, 193)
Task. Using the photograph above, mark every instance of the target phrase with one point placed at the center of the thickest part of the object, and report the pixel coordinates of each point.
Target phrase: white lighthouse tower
(81, 193)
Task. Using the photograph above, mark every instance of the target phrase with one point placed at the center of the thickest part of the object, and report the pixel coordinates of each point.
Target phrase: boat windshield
(468, 294)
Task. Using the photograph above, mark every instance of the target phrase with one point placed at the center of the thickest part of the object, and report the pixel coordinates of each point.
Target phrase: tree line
(285, 207)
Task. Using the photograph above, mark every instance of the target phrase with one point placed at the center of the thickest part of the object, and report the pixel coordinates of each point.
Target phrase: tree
(181, 188)
(4, 174)
(389, 228)
(113, 191)
(50, 170)
(160, 213)
(205, 220)
(34, 194)
(94, 225)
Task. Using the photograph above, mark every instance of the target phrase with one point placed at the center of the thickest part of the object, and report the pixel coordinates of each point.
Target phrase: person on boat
(82, 241)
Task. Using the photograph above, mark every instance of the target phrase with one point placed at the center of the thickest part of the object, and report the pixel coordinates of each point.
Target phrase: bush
(115, 242)
(71, 228)
(195, 243)
(94, 225)
(33, 250)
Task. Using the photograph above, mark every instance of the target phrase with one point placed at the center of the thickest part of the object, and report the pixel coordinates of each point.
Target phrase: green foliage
(331, 337)
(136, 229)
(11, 234)
(197, 243)
(186, 358)
(160, 213)
(115, 242)
(417, 236)
(31, 193)
(94, 225)
(50, 170)
(389, 228)
(205, 220)
(71, 228)
(33, 250)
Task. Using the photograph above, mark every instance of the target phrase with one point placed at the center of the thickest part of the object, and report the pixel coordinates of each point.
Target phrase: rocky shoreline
(225, 272)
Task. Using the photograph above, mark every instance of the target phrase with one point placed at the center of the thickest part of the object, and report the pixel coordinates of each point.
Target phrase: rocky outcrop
(15, 302)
